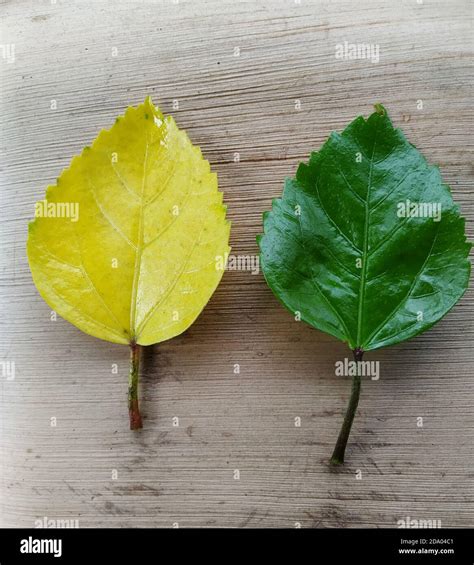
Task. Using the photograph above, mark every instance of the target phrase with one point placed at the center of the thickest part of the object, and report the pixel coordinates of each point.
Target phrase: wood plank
(230, 104)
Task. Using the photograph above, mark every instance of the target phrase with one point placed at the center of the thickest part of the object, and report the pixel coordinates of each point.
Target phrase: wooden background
(229, 104)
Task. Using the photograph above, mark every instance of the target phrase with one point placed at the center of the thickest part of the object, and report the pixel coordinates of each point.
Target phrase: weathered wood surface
(229, 104)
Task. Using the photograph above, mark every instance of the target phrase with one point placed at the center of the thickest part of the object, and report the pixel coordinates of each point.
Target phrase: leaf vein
(152, 310)
(338, 229)
(404, 299)
(317, 287)
(106, 216)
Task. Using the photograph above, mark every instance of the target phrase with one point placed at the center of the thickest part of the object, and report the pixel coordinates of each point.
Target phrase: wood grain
(229, 104)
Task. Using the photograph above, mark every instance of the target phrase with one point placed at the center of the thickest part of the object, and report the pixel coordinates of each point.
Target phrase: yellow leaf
(124, 246)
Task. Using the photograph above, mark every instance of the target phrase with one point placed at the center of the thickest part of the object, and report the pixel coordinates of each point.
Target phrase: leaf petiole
(340, 448)
(133, 406)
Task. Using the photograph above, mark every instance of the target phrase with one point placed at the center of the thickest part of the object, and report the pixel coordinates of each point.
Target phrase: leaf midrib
(365, 246)
(139, 249)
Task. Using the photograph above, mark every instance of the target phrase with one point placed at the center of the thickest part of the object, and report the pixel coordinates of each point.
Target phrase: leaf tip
(380, 109)
(31, 225)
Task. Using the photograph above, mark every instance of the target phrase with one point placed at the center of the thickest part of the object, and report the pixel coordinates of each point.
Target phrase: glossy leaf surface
(138, 263)
(366, 243)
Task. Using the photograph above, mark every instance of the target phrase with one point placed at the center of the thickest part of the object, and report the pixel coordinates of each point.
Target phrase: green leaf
(124, 245)
(338, 251)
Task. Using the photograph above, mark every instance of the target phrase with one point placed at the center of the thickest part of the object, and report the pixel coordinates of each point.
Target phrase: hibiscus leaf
(366, 243)
(124, 246)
